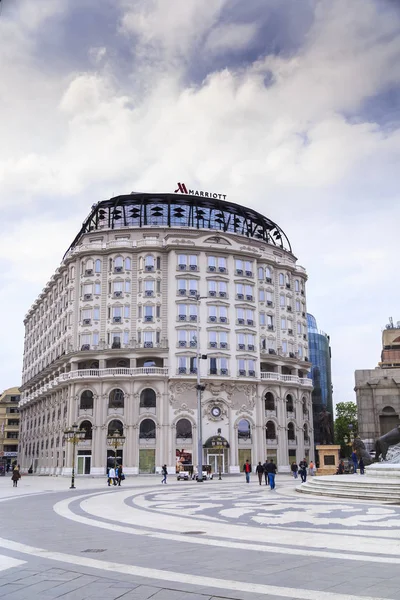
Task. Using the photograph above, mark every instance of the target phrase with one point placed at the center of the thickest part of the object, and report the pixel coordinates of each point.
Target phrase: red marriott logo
(184, 190)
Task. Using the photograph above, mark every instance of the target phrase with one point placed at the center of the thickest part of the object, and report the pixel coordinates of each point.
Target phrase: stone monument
(328, 459)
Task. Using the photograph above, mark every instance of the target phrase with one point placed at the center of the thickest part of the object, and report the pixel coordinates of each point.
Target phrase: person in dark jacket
(303, 470)
(271, 470)
(340, 470)
(294, 468)
(355, 462)
(260, 471)
(265, 471)
(247, 470)
(361, 466)
(16, 475)
(164, 474)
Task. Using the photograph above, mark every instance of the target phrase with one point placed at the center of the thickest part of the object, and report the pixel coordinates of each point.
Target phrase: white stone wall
(110, 319)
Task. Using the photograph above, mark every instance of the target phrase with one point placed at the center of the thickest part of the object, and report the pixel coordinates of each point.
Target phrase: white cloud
(298, 149)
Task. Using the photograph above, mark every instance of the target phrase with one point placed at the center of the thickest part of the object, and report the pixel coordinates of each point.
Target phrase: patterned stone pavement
(196, 541)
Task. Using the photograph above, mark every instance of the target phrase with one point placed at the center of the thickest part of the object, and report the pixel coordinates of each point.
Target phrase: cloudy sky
(290, 107)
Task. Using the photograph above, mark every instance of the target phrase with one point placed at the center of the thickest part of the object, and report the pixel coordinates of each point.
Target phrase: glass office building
(320, 357)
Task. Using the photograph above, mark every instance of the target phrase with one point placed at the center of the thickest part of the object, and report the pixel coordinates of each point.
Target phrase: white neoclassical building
(113, 343)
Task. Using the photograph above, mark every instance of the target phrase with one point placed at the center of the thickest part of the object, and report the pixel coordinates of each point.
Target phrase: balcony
(304, 381)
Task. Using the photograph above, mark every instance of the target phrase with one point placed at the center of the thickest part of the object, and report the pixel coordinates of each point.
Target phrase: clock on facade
(216, 411)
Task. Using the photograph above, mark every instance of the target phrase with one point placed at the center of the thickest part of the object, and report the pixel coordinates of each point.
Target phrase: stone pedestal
(328, 459)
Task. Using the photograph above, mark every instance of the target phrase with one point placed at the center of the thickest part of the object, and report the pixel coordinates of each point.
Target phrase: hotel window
(300, 351)
(296, 285)
(186, 261)
(126, 312)
(97, 288)
(187, 287)
(268, 297)
(299, 328)
(249, 317)
(187, 364)
(148, 339)
(284, 347)
(88, 291)
(217, 288)
(118, 264)
(216, 264)
(115, 339)
(282, 300)
(149, 287)
(246, 367)
(281, 279)
(149, 263)
(118, 288)
(268, 275)
(262, 319)
(261, 295)
(97, 266)
(117, 314)
(218, 366)
(260, 272)
(270, 322)
(283, 323)
(86, 316)
(298, 306)
(148, 313)
(85, 341)
(244, 267)
(127, 264)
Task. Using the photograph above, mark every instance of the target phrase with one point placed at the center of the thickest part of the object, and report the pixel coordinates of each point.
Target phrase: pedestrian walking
(7, 467)
(294, 468)
(16, 475)
(260, 472)
(311, 468)
(303, 470)
(361, 465)
(120, 474)
(265, 471)
(355, 462)
(164, 474)
(247, 470)
(112, 477)
(271, 470)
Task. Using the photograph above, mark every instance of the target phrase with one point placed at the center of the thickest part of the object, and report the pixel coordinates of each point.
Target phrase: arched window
(184, 429)
(269, 401)
(306, 436)
(94, 364)
(127, 264)
(87, 428)
(281, 279)
(116, 399)
(291, 433)
(115, 425)
(122, 363)
(268, 275)
(244, 430)
(388, 410)
(97, 266)
(260, 273)
(148, 398)
(147, 429)
(89, 267)
(270, 431)
(305, 409)
(289, 403)
(149, 263)
(86, 400)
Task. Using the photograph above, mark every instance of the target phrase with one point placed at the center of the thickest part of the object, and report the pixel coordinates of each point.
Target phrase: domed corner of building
(157, 293)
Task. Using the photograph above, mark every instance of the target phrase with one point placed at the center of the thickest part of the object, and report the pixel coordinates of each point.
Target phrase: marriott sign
(183, 189)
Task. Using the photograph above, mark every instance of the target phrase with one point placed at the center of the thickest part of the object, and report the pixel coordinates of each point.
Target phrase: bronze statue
(382, 444)
(325, 426)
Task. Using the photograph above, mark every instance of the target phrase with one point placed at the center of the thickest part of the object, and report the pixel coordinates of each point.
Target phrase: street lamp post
(116, 440)
(219, 443)
(74, 435)
(200, 388)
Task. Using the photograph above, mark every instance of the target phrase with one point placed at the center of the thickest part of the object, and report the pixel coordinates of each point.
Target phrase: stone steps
(352, 486)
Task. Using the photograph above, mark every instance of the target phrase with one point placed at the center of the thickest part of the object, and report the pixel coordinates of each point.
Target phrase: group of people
(115, 475)
(301, 469)
(357, 464)
(266, 470)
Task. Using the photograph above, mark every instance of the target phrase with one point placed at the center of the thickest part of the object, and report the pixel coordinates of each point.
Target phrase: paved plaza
(217, 539)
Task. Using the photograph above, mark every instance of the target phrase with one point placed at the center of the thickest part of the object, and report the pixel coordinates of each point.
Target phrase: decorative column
(283, 451)
(233, 450)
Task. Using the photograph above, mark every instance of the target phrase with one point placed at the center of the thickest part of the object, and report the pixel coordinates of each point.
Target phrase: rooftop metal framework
(181, 210)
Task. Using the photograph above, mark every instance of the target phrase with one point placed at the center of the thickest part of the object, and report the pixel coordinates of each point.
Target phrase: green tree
(345, 423)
